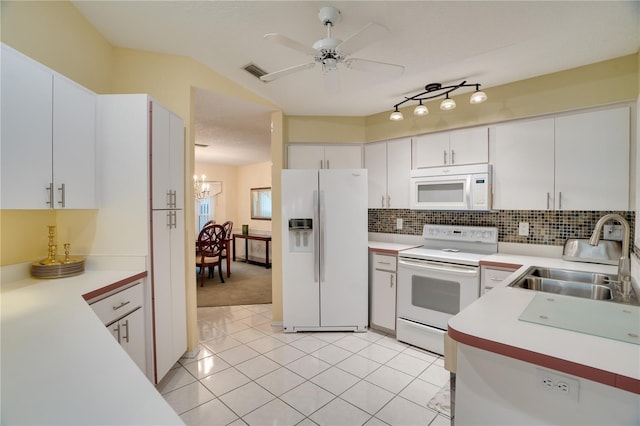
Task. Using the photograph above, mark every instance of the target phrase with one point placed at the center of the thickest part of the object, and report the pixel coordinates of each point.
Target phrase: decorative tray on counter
(58, 269)
(52, 267)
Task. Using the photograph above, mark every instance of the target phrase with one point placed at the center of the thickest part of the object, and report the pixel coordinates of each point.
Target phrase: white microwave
(451, 188)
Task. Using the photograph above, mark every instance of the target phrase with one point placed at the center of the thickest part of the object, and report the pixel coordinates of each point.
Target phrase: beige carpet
(248, 285)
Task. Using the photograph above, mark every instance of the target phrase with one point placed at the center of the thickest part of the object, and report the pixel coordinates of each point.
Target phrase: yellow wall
(324, 129)
(602, 83)
(252, 176)
(56, 35)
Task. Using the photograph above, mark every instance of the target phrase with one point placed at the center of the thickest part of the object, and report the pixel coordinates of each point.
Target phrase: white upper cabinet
(74, 145)
(48, 138)
(389, 170)
(592, 160)
(465, 146)
(167, 156)
(330, 156)
(571, 162)
(523, 169)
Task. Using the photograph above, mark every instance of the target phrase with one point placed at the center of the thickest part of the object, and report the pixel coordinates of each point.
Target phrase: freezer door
(300, 263)
(343, 248)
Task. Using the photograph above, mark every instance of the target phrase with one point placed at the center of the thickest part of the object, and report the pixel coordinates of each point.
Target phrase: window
(261, 203)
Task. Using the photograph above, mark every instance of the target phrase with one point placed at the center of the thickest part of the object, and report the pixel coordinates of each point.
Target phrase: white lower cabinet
(491, 276)
(123, 314)
(383, 291)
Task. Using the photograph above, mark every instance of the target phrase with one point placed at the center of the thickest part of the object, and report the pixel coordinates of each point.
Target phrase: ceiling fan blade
(277, 74)
(382, 68)
(369, 34)
(290, 43)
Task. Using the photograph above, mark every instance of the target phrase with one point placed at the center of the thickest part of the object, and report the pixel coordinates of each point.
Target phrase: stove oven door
(430, 293)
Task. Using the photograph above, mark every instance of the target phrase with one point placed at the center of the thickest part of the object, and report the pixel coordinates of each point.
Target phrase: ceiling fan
(331, 51)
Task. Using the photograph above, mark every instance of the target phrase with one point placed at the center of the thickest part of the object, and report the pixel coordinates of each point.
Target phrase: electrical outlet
(523, 229)
(612, 232)
(399, 223)
(557, 384)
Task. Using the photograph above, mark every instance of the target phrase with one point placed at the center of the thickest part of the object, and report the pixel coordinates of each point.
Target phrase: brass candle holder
(52, 267)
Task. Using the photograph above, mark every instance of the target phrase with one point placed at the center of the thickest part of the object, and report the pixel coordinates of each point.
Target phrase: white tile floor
(249, 372)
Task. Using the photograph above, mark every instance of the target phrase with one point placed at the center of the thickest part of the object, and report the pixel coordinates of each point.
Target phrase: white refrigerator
(324, 250)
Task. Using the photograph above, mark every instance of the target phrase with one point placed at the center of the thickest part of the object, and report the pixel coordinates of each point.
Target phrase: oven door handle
(434, 266)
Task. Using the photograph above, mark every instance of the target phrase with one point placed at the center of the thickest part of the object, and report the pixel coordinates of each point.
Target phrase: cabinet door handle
(445, 156)
(390, 280)
(560, 200)
(50, 196)
(321, 164)
(382, 205)
(453, 157)
(548, 200)
(328, 165)
(388, 200)
(62, 194)
(115, 308)
(126, 327)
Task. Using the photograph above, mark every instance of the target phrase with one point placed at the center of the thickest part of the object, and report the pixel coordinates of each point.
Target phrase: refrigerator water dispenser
(301, 235)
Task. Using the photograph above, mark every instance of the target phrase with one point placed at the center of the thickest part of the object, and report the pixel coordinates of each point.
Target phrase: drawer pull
(496, 279)
(115, 308)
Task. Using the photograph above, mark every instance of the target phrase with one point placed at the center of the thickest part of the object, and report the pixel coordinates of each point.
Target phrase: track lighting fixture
(435, 90)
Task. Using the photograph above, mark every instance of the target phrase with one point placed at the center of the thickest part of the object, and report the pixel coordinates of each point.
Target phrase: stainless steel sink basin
(568, 288)
(573, 276)
(588, 285)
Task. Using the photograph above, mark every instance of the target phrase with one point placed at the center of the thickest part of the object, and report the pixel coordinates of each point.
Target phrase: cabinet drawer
(384, 261)
(493, 277)
(119, 304)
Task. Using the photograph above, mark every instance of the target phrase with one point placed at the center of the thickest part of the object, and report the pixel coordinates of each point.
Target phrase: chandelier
(435, 90)
(200, 188)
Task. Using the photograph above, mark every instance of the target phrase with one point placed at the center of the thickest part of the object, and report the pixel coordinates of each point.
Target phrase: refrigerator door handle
(321, 231)
(316, 261)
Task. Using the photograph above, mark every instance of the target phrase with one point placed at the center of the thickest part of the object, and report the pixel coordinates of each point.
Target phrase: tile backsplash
(547, 227)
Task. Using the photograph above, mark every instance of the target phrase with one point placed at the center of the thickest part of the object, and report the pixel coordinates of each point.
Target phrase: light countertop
(60, 364)
(492, 323)
(389, 247)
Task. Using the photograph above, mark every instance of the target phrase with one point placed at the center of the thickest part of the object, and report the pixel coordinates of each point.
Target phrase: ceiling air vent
(255, 70)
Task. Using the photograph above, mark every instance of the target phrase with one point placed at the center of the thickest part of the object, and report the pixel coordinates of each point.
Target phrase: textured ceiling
(491, 43)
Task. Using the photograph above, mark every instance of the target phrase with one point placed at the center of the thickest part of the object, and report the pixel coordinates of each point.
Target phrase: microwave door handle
(426, 265)
(468, 193)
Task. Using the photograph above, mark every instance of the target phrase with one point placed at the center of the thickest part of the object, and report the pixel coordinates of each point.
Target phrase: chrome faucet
(624, 265)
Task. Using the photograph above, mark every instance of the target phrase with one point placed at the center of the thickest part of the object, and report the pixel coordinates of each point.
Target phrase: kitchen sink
(568, 275)
(588, 285)
(568, 288)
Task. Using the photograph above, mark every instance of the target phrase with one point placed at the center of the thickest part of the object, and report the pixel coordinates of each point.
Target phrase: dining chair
(211, 242)
(228, 227)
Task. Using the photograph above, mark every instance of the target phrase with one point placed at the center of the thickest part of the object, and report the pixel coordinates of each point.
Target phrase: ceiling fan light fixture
(447, 104)
(478, 96)
(329, 65)
(396, 115)
(421, 110)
